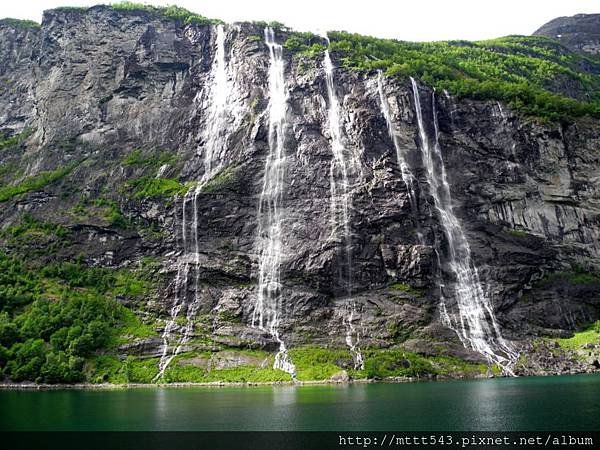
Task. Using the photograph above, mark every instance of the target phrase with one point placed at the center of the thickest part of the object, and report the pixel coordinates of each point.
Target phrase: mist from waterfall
(266, 314)
(342, 167)
(214, 145)
(474, 320)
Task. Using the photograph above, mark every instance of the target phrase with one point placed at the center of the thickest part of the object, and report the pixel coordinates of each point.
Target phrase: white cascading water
(270, 215)
(407, 175)
(476, 324)
(214, 144)
(342, 166)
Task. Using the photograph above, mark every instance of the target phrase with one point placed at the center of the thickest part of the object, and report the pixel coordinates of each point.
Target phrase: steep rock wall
(92, 87)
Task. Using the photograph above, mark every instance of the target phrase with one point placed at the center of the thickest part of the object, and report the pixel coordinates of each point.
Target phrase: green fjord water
(510, 404)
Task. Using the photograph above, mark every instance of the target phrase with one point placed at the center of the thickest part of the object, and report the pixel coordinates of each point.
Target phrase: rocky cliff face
(580, 32)
(89, 88)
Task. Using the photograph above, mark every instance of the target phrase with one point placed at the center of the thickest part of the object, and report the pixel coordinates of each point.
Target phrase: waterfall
(217, 112)
(215, 135)
(407, 176)
(270, 216)
(476, 324)
(342, 166)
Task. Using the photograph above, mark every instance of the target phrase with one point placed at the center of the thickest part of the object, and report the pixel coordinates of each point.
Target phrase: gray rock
(93, 86)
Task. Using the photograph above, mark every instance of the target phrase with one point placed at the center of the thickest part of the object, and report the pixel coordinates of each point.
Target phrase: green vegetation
(580, 339)
(114, 216)
(71, 8)
(305, 44)
(577, 276)
(53, 318)
(16, 139)
(400, 363)
(102, 209)
(272, 24)
(417, 292)
(240, 374)
(137, 158)
(32, 236)
(109, 369)
(220, 181)
(314, 363)
(151, 187)
(525, 72)
(34, 183)
(29, 226)
(18, 23)
(171, 12)
(111, 212)
(517, 233)
(7, 169)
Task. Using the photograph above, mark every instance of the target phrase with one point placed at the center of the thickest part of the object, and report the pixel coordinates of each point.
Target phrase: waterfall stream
(474, 321)
(342, 167)
(214, 144)
(266, 314)
(407, 175)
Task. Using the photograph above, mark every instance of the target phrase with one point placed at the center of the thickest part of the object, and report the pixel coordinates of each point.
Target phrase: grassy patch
(400, 363)
(8, 172)
(221, 181)
(137, 158)
(451, 366)
(576, 276)
(110, 369)
(139, 370)
(105, 369)
(181, 371)
(29, 228)
(403, 287)
(151, 187)
(32, 236)
(581, 338)
(11, 141)
(34, 183)
(241, 374)
(102, 209)
(314, 363)
(517, 233)
(130, 327)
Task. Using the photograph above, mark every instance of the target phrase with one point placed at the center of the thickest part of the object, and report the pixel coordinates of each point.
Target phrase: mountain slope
(107, 118)
(580, 32)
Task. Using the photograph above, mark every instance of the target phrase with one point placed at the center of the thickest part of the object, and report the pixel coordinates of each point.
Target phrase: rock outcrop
(580, 32)
(89, 88)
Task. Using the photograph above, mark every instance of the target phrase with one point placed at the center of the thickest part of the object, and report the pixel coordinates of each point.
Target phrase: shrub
(526, 72)
(139, 159)
(170, 12)
(18, 23)
(34, 183)
(55, 316)
(11, 141)
(151, 187)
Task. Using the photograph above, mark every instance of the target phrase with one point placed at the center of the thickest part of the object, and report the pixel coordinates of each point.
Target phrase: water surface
(510, 404)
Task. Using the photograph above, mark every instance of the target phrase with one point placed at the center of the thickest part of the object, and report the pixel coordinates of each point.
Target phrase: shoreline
(225, 384)
(29, 386)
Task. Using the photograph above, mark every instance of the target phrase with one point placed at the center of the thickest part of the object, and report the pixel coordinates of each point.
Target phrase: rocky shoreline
(223, 384)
